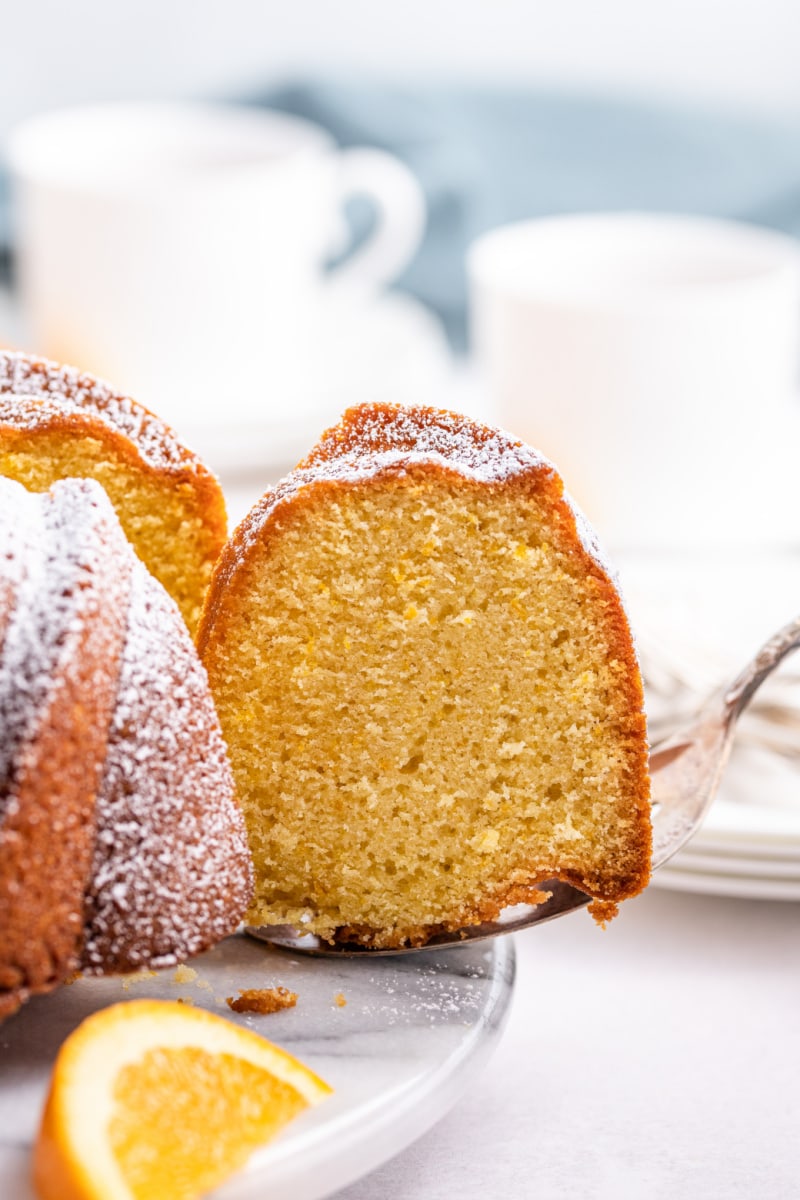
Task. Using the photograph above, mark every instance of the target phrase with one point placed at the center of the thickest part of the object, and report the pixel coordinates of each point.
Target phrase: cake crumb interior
(176, 546)
(423, 711)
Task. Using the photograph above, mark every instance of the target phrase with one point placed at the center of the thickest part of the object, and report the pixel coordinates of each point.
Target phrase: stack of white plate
(698, 620)
(749, 844)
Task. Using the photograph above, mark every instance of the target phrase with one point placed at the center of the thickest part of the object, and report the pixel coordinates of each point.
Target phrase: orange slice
(151, 1099)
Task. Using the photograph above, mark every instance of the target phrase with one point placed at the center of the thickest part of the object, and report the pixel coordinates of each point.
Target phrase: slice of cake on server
(427, 683)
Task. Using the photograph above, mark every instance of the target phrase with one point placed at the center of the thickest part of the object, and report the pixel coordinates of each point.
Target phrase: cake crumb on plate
(262, 1000)
(184, 974)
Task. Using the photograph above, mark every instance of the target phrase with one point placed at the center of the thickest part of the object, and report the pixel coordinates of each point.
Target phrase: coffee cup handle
(400, 215)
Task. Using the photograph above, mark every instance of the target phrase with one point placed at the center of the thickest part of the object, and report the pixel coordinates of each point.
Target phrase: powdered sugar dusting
(479, 452)
(425, 434)
(375, 438)
(171, 871)
(21, 376)
(26, 412)
(53, 549)
(25, 653)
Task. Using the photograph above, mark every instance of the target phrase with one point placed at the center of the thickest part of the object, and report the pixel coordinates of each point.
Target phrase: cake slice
(56, 423)
(427, 683)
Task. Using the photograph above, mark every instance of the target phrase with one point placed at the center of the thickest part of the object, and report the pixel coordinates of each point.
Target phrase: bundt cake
(64, 578)
(427, 684)
(57, 423)
(121, 844)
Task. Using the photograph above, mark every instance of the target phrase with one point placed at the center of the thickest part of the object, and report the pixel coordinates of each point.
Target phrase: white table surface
(660, 1058)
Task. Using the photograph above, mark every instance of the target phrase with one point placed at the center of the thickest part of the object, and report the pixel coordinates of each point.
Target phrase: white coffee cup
(655, 360)
(179, 249)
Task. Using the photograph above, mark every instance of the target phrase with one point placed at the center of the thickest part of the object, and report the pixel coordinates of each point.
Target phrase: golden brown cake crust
(21, 414)
(159, 447)
(262, 1000)
(378, 442)
(41, 397)
(384, 447)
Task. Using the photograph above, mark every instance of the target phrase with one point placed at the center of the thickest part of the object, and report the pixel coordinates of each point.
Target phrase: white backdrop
(736, 52)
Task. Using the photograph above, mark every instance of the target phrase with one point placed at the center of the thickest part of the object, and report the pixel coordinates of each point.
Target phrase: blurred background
(505, 110)
(248, 279)
(248, 283)
(741, 55)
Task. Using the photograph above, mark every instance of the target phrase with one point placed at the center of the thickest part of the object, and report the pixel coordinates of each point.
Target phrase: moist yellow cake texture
(426, 680)
(57, 423)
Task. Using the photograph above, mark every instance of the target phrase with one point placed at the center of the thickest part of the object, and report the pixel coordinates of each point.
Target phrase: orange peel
(151, 1099)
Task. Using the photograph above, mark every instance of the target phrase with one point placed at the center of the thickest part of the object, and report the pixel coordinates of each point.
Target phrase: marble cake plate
(399, 1052)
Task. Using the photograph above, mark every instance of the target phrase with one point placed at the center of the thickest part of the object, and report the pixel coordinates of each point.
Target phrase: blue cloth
(485, 157)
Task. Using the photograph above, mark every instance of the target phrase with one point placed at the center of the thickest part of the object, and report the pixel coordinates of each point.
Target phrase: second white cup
(655, 360)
